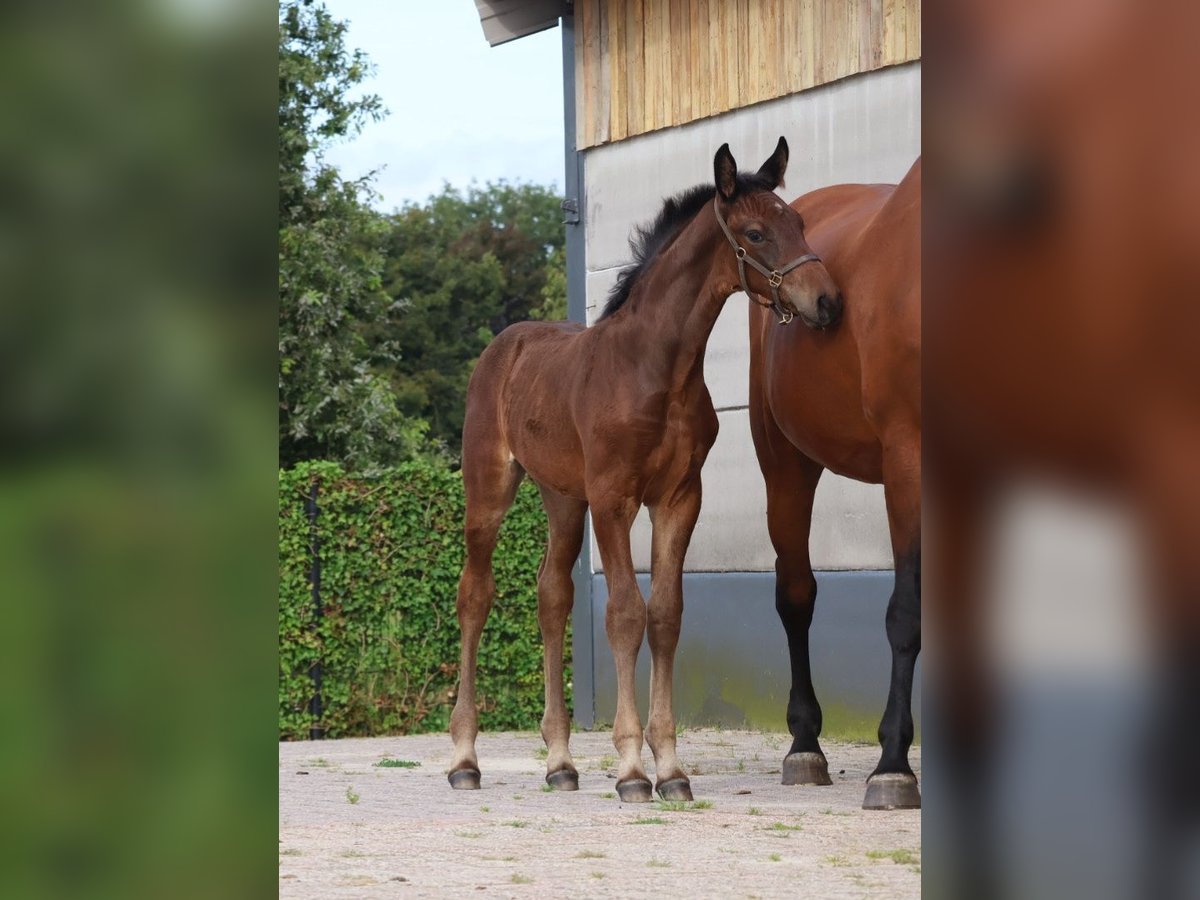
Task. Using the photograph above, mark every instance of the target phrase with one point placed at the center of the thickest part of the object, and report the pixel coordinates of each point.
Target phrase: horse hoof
(676, 789)
(635, 790)
(464, 779)
(563, 780)
(806, 768)
(892, 790)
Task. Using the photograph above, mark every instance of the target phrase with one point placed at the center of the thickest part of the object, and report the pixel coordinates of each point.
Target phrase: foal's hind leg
(892, 785)
(556, 595)
(491, 485)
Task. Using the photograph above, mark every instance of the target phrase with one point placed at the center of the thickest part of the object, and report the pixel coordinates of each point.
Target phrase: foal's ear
(772, 170)
(725, 173)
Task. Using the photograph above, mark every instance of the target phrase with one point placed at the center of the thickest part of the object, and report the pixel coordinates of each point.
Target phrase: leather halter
(774, 276)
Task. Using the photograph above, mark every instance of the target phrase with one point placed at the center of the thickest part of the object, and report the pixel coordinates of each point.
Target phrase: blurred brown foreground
(1062, 448)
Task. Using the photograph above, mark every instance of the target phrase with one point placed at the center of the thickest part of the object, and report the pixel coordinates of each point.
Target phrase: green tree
(461, 267)
(332, 401)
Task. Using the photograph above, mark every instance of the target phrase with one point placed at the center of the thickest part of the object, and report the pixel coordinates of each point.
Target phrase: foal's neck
(674, 306)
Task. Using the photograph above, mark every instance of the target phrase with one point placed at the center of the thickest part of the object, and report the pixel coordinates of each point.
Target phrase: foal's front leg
(625, 620)
(673, 526)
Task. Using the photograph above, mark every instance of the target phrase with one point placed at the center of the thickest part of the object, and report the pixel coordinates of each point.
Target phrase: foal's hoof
(635, 790)
(563, 780)
(676, 789)
(806, 768)
(892, 790)
(464, 779)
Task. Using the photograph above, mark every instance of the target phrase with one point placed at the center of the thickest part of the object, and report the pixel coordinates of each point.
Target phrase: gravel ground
(351, 828)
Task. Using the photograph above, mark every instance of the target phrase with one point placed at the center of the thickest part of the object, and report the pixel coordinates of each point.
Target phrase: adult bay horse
(615, 417)
(848, 399)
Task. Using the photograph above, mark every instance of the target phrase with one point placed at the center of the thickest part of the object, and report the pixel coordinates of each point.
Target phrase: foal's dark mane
(647, 241)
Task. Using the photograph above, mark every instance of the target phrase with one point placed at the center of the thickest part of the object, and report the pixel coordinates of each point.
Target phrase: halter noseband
(774, 276)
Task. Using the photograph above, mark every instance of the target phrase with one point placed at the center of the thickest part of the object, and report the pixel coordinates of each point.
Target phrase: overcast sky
(459, 109)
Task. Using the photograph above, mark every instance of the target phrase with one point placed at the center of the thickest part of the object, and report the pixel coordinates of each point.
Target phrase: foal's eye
(754, 237)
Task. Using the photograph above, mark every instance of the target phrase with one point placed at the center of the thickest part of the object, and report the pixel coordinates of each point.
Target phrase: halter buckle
(775, 279)
(785, 315)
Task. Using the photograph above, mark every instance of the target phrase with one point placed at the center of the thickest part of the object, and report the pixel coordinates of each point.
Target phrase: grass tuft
(397, 764)
(518, 878)
(775, 857)
(351, 796)
(900, 857)
(682, 805)
(590, 854)
(517, 823)
(649, 820)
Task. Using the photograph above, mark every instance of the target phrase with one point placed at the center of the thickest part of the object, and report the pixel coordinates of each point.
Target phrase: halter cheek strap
(774, 276)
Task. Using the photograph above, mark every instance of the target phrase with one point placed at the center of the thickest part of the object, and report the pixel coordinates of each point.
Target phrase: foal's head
(778, 267)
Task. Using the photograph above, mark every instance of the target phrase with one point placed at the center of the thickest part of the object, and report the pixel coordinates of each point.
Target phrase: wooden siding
(641, 65)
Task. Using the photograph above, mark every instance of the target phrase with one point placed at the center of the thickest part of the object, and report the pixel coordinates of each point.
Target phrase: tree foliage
(382, 318)
(460, 268)
(333, 403)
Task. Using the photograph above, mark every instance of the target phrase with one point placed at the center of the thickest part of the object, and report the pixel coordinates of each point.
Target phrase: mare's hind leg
(892, 785)
(491, 485)
(674, 523)
(791, 480)
(625, 621)
(556, 595)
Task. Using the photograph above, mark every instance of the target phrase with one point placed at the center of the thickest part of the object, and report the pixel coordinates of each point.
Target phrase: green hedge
(391, 552)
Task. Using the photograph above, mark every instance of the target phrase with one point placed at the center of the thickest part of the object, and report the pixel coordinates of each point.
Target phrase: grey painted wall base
(731, 668)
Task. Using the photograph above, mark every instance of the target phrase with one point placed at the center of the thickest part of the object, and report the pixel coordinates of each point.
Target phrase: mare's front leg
(893, 785)
(674, 523)
(625, 620)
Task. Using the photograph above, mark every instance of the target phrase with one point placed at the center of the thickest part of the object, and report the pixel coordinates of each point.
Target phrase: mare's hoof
(892, 790)
(676, 789)
(635, 790)
(464, 779)
(806, 768)
(563, 780)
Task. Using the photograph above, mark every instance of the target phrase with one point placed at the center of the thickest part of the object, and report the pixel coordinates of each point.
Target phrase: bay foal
(615, 417)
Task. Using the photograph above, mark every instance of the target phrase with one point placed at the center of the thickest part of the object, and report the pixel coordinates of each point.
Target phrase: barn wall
(865, 128)
(643, 65)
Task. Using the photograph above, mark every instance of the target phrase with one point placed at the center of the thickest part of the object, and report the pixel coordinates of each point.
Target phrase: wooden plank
(789, 44)
(913, 30)
(618, 126)
(727, 42)
(742, 60)
(603, 79)
(582, 135)
(652, 80)
(586, 88)
(634, 67)
(808, 44)
(681, 52)
(694, 107)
